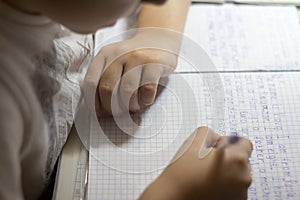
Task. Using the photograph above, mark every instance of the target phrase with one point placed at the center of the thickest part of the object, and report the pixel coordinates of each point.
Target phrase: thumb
(200, 143)
(205, 141)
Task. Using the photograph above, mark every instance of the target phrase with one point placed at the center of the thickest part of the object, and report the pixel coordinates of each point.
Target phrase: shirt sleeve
(11, 127)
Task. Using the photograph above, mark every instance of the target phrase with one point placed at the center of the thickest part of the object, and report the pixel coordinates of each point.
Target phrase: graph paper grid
(264, 107)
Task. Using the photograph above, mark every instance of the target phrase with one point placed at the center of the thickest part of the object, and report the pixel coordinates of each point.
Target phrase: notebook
(263, 107)
(245, 37)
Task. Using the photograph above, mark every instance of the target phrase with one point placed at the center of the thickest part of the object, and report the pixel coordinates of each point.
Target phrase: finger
(242, 145)
(238, 152)
(237, 168)
(206, 141)
(129, 87)
(91, 80)
(203, 141)
(202, 137)
(237, 158)
(149, 82)
(109, 83)
(184, 146)
(248, 171)
(207, 136)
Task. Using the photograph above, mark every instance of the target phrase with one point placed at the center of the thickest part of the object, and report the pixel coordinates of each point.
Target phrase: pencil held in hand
(223, 142)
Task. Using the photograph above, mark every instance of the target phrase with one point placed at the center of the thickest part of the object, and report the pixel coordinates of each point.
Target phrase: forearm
(171, 15)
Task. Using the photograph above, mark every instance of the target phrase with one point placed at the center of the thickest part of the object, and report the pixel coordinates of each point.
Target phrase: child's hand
(223, 174)
(133, 68)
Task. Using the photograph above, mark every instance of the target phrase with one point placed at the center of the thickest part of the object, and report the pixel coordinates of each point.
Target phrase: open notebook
(263, 107)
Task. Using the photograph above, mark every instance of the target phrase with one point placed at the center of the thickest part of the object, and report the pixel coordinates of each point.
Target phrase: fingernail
(148, 103)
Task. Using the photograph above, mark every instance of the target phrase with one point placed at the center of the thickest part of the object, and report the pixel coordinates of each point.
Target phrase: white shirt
(38, 101)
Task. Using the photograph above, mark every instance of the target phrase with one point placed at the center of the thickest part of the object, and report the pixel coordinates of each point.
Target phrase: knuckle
(139, 54)
(89, 83)
(244, 181)
(146, 56)
(154, 56)
(149, 88)
(247, 181)
(105, 89)
(240, 160)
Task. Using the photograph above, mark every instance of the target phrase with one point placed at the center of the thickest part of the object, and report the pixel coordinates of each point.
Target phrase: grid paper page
(129, 185)
(245, 37)
(264, 107)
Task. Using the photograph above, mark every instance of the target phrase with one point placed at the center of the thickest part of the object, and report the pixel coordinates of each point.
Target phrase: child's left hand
(132, 68)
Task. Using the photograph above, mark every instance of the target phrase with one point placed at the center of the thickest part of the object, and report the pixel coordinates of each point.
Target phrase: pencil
(226, 141)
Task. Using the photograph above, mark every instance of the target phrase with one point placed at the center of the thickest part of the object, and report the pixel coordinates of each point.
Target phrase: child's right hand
(223, 174)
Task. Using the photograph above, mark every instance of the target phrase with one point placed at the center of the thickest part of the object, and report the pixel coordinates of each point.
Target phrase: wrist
(160, 38)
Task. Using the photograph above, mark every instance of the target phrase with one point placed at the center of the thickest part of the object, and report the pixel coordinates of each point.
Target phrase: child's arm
(171, 16)
(10, 142)
(23, 148)
(223, 174)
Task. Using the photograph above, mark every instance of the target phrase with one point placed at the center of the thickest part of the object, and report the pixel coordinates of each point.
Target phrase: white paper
(245, 37)
(263, 107)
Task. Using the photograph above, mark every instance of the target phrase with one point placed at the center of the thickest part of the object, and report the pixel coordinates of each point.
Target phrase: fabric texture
(39, 64)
